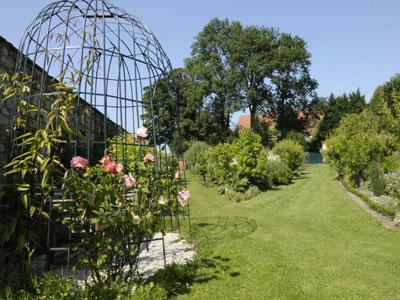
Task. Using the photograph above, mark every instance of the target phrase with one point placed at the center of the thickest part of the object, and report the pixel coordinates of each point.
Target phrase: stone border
(387, 222)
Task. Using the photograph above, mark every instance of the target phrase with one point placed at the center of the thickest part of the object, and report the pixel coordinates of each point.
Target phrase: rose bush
(113, 212)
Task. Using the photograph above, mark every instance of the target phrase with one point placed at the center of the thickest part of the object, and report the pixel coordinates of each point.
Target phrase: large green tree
(254, 68)
(383, 94)
(253, 53)
(176, 114)
(335, 108)
(385, 103)
(213, 75)
(170, 112)
(293, 87)
(234, 67)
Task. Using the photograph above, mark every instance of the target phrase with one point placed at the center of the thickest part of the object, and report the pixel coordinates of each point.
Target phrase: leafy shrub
(34, 169)
(250, 158)
(376, 179)
(278, 173)
(240, 184)
(241, 169)
(391, 163)
(220, 163)
(149, 292)
(298, 137)
(52, 287)
(194, 156)
(291, 153)
(47, 286)
(234, 196)
(252, 191)
(355, 143)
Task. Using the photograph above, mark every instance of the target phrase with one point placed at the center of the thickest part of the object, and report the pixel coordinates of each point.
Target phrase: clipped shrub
(195, 154)
(291, 153)
(376, 179)
(278, 173)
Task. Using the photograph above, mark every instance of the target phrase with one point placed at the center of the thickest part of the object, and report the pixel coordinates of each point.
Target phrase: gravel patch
(151, 259)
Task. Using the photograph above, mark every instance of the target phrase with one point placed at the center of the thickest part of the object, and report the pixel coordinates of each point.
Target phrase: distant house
(245, 121)
(269, 119)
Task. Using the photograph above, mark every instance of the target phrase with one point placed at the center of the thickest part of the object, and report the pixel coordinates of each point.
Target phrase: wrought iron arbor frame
(112, 59)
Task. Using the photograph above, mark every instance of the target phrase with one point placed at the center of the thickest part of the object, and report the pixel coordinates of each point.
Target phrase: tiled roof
(244, 120)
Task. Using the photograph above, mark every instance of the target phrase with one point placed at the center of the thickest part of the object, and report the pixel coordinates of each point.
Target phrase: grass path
(307, 240)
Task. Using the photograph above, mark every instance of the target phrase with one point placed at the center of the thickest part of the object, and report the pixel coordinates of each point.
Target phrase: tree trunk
(253, 117)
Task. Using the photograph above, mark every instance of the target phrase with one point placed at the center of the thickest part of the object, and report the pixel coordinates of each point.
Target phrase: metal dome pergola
(110, 58)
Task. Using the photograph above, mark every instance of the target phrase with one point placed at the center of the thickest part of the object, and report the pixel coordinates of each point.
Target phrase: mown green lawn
(307, 240)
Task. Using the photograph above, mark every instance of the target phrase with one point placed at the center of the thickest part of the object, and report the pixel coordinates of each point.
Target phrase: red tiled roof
(244, 120)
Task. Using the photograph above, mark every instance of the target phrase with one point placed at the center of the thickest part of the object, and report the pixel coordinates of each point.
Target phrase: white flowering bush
(392, 184)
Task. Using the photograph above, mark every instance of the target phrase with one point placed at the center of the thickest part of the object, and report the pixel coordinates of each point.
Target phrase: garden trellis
(113, 62)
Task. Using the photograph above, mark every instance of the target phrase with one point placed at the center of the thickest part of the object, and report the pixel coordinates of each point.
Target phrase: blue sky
(354, 43)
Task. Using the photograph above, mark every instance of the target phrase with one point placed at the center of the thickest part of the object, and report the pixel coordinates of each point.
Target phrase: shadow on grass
(303, 175)
(221, 229)
(178, 279)
(206, 232)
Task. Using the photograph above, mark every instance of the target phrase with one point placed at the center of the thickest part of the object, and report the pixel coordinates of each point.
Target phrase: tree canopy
(335, 108)
(384, 93)
(234, 67)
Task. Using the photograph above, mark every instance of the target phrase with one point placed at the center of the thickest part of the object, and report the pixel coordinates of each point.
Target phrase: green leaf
(32, 211)
(14, 171)
(25, 200)
(23, 187)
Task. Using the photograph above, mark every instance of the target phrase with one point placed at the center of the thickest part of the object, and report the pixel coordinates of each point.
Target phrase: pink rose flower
(129, 181)
(119, 168)
(149, 158)
(105, 160)
(79, 163)
(184, 197)
(114, 168)
(142, 133)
